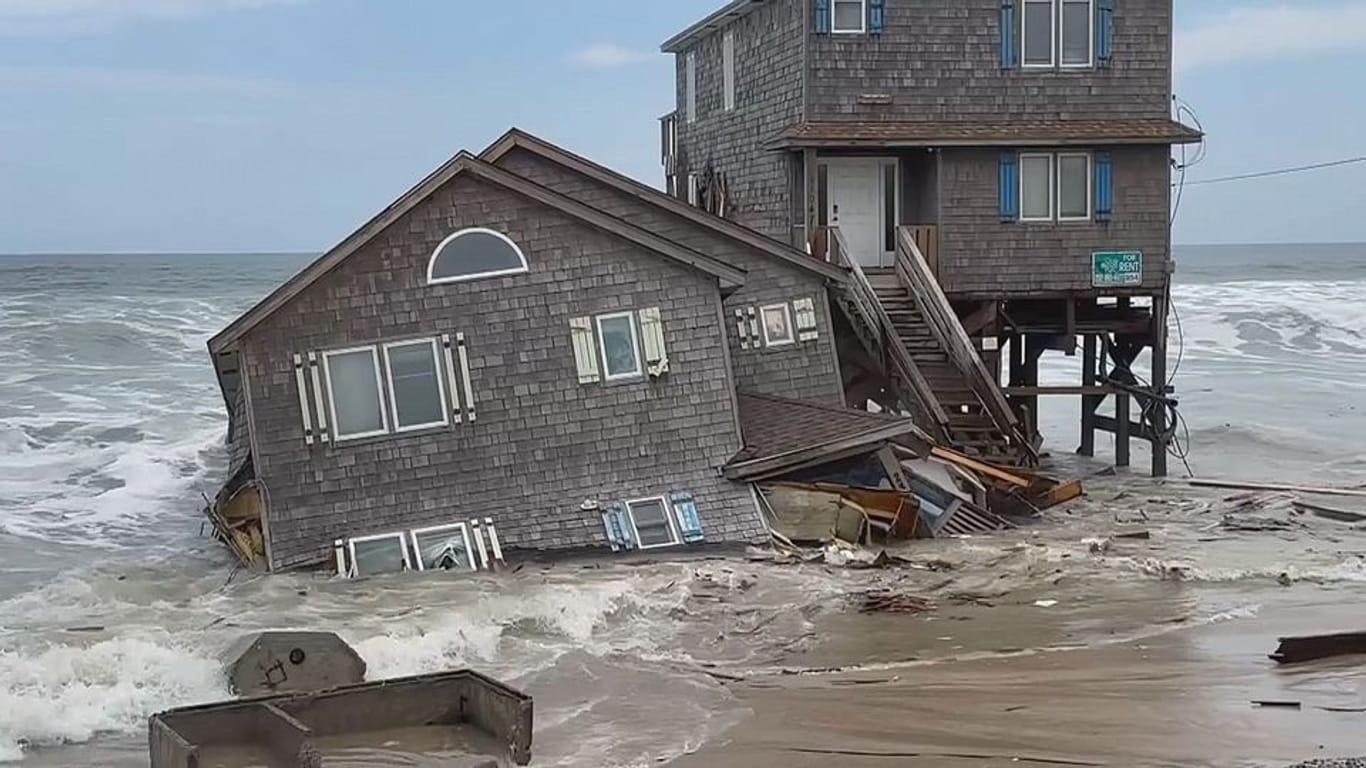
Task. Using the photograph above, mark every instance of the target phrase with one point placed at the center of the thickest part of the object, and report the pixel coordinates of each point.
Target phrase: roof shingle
(865, 133)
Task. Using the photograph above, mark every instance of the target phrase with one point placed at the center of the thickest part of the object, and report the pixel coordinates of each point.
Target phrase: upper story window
(690, 87)
(620, 350)
(1058, 33)
(728, 70)
(471, 254)
(1055, 186)
(849, 16)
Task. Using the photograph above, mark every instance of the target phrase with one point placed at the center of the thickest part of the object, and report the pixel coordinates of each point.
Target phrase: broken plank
(1330, 513)
(979, 467)
(1242, 486)
(1293, 650)
(1059, 494)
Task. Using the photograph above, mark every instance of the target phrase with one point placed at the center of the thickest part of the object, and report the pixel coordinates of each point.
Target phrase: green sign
(1116, 268)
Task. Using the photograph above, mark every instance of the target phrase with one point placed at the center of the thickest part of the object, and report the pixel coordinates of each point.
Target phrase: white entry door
(858, 192)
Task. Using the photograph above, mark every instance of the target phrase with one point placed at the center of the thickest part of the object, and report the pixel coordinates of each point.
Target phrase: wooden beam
(1159, 372)
(1241, 486)
(1111, 425)
(1070, 328)
(1122, 425)
(1046, 391)
(981, 468)
(1090, 402)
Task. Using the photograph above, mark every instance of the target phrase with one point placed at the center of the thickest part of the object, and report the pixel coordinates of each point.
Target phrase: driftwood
(1275, 487)
(889, 602)
(1294, 650)
(1330, 513)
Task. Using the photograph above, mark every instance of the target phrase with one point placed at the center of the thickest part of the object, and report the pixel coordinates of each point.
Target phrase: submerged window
(777, 325)
(848, 16)
(371, 555)
(653, 523)
(445, 547)
(354, 389)
(620, 350)
(471, 254)
(416, 391)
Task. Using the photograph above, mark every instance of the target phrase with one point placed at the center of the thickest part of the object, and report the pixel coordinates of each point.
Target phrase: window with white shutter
(585, 349)
(808, 327)
(652, 334)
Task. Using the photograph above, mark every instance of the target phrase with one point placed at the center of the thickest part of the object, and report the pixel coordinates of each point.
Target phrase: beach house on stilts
(994, 174)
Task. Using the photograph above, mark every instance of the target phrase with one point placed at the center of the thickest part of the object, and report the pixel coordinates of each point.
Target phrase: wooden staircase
(936, 372)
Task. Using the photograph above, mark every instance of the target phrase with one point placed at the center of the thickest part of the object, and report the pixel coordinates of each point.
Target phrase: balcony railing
(926, 238)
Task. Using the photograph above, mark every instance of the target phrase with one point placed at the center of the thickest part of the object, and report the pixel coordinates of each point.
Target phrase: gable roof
(466, 163)
(519, 139)
(780, 434)
(732, 11)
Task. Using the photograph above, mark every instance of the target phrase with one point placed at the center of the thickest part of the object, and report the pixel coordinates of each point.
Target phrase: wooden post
(1070, 327)
(1034, 348)
(1089, 403)
(1158, 416)
(1121, 429)
(810, 180)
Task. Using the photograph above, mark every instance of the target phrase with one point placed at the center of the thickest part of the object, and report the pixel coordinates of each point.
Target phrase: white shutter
(652, 332)
(585, 350)
(303, 398)
(318, 395)
(807, 324)
(754, 336)
(464, 356)
(742, 328)
(451, 385)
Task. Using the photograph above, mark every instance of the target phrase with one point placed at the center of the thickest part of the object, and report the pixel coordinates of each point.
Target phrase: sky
(281, 125)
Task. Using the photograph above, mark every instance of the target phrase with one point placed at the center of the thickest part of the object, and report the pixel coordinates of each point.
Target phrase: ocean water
(113, 604)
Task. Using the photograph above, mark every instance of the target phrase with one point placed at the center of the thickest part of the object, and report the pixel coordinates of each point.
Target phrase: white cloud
(59, 17)
(1270, 32)
(607, 56)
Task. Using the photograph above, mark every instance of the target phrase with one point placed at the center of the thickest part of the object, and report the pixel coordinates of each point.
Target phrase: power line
(1279, 172)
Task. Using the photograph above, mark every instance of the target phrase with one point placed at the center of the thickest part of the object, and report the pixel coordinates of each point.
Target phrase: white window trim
(464, 533)
(787, 318)
(690, 84)
(1090, 183)
(635, 346)
(337, 436)
(863, 19)
(1052, 185)
(728, 70)
(440, 385)
(1053, 11)
(431, 263)
(668, 517)
(352, 572)
(1090, 35)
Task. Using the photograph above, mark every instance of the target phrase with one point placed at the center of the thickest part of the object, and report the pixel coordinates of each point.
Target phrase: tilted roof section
(780, 433)
(519, 139)
(732, 11)
(466, 163)
(959, 133)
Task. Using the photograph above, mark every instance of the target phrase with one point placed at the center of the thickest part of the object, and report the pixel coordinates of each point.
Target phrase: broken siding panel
(540, 444)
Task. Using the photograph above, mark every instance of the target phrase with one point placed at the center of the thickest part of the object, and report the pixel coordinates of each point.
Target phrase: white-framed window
(690, 95)
(1036, 187)
(1056, 187)
(1074, 186)
(373, 555)
(443, 547)
(417, 391)
(849, 16)
(653, 522)
(777, 321)
(354, 398)
(1058, 33)
(617, 340)
(728, 69)
(474, 254)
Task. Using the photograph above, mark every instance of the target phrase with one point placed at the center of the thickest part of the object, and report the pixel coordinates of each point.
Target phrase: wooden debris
(1274, 487)
(1143, 534)
(1329, 513)
(1059, 494)
(1280, 704)
(890, 602)
(1293, 650)
(981, 468)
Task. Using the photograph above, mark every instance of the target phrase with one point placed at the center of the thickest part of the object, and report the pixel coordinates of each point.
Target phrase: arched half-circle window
(472, 254)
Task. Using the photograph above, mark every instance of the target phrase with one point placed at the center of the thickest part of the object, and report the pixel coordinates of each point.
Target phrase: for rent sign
(1116, 268)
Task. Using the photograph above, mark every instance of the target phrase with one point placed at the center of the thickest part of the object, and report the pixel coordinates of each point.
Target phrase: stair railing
(928, 413)
(915, 274)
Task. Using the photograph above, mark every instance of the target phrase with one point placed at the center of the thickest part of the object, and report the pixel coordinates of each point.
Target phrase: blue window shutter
(689, 522)
(876, 12)
(1010, 187)
(1105, 31)
(618, 527)
(1007, 34)
(1105, 187)
(822, 17)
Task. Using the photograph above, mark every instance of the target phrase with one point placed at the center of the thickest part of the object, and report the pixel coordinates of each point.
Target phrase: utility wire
(1279, 172)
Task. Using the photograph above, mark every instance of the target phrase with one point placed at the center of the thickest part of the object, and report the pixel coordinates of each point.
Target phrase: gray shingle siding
(806, 370)
(542, 443)
(941, 60)
(981, 256)
(768, 98)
